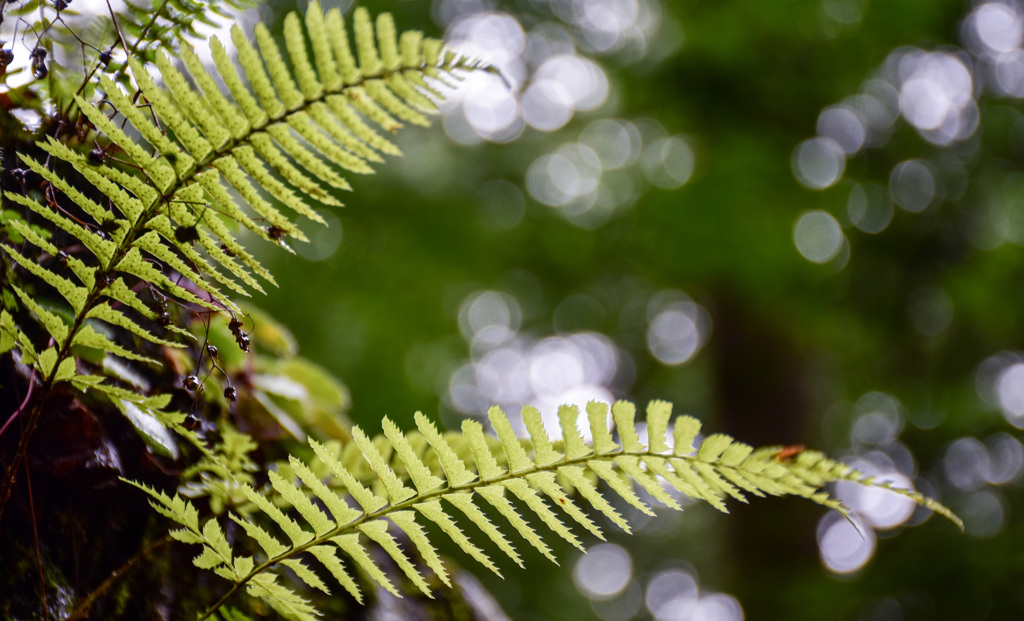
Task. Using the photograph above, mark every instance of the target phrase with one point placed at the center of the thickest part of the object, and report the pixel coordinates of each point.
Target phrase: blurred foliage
(793, 345)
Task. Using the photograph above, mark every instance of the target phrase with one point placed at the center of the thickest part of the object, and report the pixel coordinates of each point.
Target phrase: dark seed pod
(6, 57)
(275, 232)
(20, 175)
(243, 342)
(191, 422)
(61, 4)
(186, 234)
(105, 57)
(62, 257)
(230, 393)
(226, 250)
(164, 319)
(97, 156)
(39, 70)
(235, 326)
(212, 350)
(191, 382)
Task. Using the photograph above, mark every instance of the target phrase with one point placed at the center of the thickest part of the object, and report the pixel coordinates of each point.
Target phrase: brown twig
(82, 610)
(35, 534)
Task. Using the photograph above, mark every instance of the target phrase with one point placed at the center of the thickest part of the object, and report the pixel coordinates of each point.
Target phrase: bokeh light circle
(604, 571)
(818, 163)
(818, 236)
(845, 545)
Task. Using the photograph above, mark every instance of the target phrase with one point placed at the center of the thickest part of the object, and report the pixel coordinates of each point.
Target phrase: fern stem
(24, 402)
(142, 35)
(82, 610)
(19, 454)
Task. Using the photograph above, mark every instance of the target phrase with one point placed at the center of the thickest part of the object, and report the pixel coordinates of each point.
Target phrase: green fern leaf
(580, 483)
(377, 530)
(495, 495)
(283, 600)
(268, 542)
(454, 468)
(311, 513)
(288, 525)
(51, 321)
(343, 514)
(514, 452)
(531, 499)
(486, 465)
(366, 499)
(597, 416)
(76, 296)
(306, 574)
(421, 476)
(433, 511)
(328, 558)
(396, 490)
(355, 550)
(464, 502)
(406, 521)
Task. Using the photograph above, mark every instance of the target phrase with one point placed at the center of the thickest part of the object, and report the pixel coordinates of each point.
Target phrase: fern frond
(543, 475)
(192, 160)
(299, 130)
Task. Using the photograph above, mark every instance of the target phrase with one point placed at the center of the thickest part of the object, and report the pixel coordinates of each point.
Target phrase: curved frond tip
(476, 477)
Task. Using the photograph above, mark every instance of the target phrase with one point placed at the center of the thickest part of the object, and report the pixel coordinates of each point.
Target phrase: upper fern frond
(282, 135)
(148, 215)
(501, 475)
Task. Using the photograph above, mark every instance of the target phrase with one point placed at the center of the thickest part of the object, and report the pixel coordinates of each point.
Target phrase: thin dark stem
(128, 51)
(19, 455)
(21, 408)
(82, 610)
(117, 29)
(35, 535)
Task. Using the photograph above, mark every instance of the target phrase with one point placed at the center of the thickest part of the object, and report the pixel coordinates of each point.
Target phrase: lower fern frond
(509, 475)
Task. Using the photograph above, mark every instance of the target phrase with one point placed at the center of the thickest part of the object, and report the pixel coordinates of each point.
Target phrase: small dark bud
(105, 57)
(61, 4)
(226, 250)
(191, 421)
(39, 70)
(186, 234)
(275, 232)
(62, 257)
(106, 278)
(212, 350)
(20, 175)
(191, 382)
(164, 319)
(6, 57)
(97, 156)
(230, 393)
(243, 342)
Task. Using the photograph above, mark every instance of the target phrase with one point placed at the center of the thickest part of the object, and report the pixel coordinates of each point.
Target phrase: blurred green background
(799, 221)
